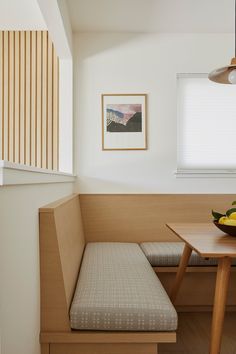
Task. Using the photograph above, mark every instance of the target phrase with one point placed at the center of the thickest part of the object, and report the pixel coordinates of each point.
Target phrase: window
(206, 125)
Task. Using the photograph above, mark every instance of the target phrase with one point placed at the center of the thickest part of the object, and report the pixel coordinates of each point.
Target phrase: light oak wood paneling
(44, 118)
(16, 147)
(61, 248)
(49, 151)
(29, 99)
(55, 109)
(111, 337)
(191, 294)
(33, 107)
(27, 119)
(103, 348)
(11, 99)
(5, 117)
(22, 97)
(1, 92)
(45, 348)
(140, 218)
(38, 98)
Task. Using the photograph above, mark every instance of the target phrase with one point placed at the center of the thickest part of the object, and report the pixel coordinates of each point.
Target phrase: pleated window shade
(206, 124)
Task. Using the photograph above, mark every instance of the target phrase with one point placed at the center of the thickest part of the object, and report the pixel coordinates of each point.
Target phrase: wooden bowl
(228, 229)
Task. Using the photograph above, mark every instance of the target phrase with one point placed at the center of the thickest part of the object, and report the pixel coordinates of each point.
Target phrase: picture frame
(124, 121)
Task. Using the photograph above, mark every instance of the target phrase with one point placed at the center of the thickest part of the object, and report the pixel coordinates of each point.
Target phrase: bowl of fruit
(226, 222)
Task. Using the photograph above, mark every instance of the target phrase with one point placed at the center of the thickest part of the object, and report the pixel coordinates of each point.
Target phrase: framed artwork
(124, 122)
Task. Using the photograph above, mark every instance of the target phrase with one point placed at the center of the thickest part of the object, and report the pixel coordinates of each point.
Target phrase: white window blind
(206, 124)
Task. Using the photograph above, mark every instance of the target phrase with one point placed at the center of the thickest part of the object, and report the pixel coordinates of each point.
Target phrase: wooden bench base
(78, 342)
(103, 349)
(198, 287)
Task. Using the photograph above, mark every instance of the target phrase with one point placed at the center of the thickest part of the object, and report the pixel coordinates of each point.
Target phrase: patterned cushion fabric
(169, 253)
(117, 290)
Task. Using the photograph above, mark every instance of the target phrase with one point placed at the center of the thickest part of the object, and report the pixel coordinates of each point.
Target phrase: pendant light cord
(235, 28)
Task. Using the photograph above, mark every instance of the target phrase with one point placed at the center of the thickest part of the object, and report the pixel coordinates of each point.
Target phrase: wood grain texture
(45, 348)
(1, 92)
(198, 296)
(108, 337)
(181, 271)
(29, 87)
(33, 109)
(49, 154)
(140, 218)
(22, 96)
(193, 335)
(61, 249)
(11, 93)
(190, 269)
(103, 349)
(16, 146)
(55, 112)
(44, 117)
(6, 73)
(222, 283)
(206, 239)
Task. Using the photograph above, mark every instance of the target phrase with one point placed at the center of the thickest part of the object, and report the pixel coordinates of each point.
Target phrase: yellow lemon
(230, 222)
(222, 220)
(232, 216)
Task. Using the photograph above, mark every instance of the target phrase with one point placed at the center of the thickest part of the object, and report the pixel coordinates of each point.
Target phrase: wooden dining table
(208, 242)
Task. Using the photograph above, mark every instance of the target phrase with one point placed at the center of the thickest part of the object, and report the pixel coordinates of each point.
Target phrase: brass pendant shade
(227, 74)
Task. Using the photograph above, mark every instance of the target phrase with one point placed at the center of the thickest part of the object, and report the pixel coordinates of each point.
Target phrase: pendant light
(227, 74)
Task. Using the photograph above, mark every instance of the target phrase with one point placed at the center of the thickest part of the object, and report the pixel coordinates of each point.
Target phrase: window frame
(196, 172)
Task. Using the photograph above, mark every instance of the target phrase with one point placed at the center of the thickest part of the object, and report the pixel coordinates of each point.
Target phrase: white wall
(139, 63)
(21, 15)
(19, 264)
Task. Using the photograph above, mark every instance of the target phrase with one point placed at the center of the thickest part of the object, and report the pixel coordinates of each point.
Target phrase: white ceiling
(164, 16)
(21, 15)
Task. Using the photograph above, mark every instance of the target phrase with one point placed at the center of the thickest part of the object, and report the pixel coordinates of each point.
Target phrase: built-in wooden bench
(65, 227)
(143, 218)
(165, 258)
(144, 315)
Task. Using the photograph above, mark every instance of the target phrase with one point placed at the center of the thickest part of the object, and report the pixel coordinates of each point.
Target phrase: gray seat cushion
(117, 290)
(169, 253)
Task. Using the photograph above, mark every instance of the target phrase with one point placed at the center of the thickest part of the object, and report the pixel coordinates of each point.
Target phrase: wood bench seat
(118, 290)
(62, 244)
(168, 254)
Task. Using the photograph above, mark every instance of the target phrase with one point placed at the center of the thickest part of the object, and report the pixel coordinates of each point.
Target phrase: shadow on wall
(98, 43)
(105, 186)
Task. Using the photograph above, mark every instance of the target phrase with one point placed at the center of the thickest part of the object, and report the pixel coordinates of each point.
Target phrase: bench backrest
(61, 249)
(142, 217)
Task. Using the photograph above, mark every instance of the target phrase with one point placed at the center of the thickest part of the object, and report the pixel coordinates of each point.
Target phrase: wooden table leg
(181, 270)
(221, 290)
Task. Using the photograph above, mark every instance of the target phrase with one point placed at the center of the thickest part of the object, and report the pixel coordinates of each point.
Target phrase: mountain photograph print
(124, 122)
(124, 118)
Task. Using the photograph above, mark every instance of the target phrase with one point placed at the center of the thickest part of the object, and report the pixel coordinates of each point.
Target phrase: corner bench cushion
(117, 290)
(169, 253)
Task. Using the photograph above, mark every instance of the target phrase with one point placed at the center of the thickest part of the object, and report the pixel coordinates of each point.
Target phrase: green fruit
(217, 215)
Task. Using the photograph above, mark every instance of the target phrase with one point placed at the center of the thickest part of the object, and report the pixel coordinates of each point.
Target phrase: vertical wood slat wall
(29, 89)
